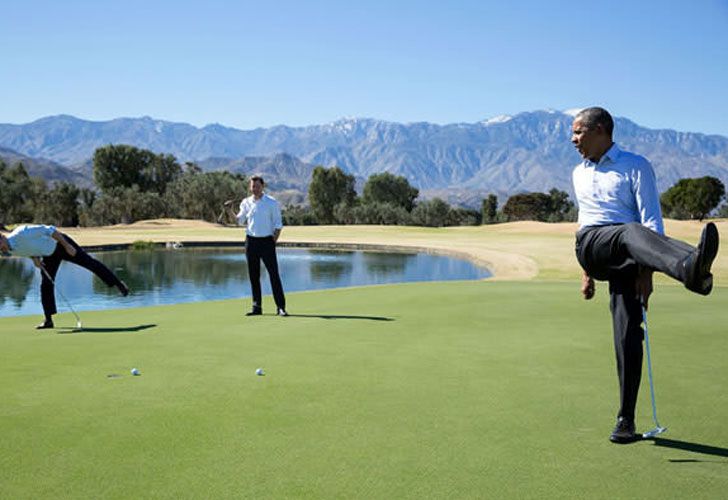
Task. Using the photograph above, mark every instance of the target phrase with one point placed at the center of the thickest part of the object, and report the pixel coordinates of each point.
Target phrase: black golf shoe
(45, 325)
(623, 432)
(256, 311)
(697, 267)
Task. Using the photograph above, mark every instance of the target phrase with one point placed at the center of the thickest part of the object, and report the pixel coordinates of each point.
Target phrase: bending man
(621, 240)
(48, 247)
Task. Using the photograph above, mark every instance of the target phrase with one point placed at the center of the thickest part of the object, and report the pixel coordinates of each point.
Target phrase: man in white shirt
(47, 247)
(261, 216)
(621, 240)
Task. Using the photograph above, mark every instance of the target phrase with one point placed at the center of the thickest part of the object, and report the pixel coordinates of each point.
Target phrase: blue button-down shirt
(619, 189)
(32, 241)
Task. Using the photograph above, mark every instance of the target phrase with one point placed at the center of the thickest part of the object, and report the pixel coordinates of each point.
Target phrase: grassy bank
(513, 251)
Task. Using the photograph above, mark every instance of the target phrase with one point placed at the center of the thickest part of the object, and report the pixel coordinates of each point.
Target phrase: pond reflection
(163, 276)
(328, 265)
(16, 278)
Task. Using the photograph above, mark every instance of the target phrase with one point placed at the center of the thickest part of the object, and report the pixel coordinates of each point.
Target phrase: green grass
(469, 390)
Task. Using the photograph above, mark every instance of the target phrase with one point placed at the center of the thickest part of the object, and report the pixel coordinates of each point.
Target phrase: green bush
(142, 245)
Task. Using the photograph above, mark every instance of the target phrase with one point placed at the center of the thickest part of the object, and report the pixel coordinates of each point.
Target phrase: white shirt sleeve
(242, 215)
(277, 218)
(647, 197)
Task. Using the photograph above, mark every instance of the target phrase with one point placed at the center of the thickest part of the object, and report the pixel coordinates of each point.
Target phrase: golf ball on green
(259, 371)
(135, 372)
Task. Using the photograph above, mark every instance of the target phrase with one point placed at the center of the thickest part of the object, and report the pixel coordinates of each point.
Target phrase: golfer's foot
(623, 432)
(282, 312)
(697, 267)
(45, 325)
(123, 289)
(256, 311)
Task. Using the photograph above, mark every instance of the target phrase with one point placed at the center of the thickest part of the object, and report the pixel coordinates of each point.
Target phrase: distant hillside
(281, 171)
(46, 169)
(504, 155)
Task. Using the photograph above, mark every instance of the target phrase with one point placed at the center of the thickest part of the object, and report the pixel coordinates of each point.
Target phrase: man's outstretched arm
(61, 239)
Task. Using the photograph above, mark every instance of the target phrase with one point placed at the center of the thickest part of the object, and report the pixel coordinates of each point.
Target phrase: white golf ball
(135, 372)
(259, 371)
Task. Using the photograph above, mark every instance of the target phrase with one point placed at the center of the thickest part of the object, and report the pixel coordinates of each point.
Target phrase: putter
(78, 320)
(658, 428)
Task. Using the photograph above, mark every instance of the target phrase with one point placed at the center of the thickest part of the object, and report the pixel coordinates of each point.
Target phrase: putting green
(437, 390)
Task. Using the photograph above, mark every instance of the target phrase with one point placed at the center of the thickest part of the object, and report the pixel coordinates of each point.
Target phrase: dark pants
(53, 261)
(265, 249)
(615, 254)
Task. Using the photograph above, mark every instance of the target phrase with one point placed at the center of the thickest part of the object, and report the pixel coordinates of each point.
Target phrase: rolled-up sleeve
(647, 197)
(242, 216)
(277, 218)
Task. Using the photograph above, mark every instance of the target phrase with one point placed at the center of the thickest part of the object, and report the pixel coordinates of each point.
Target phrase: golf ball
(259, 371)
(135, 372)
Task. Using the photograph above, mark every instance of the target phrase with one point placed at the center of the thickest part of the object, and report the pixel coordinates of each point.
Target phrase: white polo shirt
(619, 189)
(261, 217)
(32, 240)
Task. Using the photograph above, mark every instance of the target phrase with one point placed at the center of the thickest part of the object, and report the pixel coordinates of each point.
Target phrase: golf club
(225, 206)
(78, 320)
(658, 429)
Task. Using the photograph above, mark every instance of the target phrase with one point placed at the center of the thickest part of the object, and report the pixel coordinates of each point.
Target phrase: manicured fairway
(440, 390)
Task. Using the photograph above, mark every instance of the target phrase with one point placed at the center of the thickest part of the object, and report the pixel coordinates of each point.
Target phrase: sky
(243, 64)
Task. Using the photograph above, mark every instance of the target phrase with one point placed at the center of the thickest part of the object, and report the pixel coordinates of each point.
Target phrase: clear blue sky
(245, 64)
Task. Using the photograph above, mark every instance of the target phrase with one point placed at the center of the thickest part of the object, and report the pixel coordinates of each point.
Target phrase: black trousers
(257, 249)
(615, 254)
(53, 261)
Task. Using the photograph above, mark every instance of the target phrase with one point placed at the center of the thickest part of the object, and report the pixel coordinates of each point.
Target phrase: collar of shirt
(611, 156)
(263, 197)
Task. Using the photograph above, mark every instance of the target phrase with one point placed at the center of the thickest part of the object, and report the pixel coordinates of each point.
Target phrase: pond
(165, 276)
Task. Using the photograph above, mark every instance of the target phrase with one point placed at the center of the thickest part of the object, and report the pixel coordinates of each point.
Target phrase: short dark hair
(257, 178)
(591, 117)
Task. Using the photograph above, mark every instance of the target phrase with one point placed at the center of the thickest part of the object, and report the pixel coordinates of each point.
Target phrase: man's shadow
(340, 316)
(92, 329)
(693, 447)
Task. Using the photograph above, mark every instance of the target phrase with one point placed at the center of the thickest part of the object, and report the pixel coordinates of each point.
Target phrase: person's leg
(252, 255)
(654, 250)
(626, 309)
(47, 287)
(604, 250)
(97, 267)
(271, 264)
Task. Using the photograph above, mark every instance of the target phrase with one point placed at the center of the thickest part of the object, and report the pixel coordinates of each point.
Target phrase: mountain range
(460, 162)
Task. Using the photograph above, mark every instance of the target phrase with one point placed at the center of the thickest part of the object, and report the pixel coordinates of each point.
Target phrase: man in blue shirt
(47, 247)
(621, 240)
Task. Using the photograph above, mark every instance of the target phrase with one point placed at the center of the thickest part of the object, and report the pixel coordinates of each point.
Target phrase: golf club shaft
(47, 275)
(649, 367)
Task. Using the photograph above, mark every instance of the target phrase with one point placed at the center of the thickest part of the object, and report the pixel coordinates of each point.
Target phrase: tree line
(135, 184)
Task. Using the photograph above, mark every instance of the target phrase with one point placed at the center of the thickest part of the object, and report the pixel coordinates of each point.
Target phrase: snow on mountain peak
(497, 119)
(572, 111)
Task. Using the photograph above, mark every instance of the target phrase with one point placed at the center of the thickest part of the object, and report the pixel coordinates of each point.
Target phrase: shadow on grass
(693, 447)
(91, 329)
(338, 316)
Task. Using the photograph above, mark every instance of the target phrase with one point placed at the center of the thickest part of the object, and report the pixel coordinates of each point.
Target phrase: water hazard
(166, 276)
